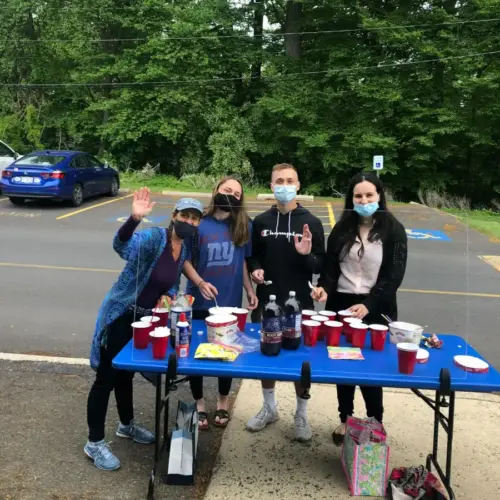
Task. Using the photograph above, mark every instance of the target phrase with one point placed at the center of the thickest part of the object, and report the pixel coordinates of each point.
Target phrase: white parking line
(8, 356)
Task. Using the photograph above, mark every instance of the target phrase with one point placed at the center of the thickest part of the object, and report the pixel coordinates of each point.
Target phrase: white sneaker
(266, 416)
(302, 428)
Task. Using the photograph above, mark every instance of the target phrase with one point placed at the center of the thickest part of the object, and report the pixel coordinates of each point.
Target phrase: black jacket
(273, 250)
(382, 297)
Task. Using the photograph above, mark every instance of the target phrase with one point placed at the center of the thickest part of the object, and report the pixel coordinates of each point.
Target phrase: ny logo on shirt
(220, 254)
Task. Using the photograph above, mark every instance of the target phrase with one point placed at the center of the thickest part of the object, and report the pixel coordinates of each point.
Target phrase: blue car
(58, 175)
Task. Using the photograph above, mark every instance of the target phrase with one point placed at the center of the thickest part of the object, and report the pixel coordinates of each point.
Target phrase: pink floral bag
(365, 457)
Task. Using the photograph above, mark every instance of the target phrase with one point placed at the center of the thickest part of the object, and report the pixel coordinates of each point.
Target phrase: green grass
(135, 180)
(200, 183)
(484, 221)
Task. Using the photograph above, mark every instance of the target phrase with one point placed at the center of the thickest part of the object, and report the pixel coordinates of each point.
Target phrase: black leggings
(196, 383)
(109, 378)
(373, 396)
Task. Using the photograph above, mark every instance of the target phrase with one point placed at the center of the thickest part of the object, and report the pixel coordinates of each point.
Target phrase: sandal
(339, 434)
(202, 417)
(221, 414)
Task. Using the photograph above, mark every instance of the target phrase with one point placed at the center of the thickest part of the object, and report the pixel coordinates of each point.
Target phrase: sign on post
(378, 162)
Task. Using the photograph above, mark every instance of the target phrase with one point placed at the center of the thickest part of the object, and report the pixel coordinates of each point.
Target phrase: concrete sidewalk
(269, 465)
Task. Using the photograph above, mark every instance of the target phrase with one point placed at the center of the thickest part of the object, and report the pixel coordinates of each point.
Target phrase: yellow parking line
(443, 292)
(492, 260)
(314, 213)
(59, 268)
(76, 212)
(331, 215)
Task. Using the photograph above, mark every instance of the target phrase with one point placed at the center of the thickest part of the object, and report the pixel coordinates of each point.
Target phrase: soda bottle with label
(179, 305)
(271, 332)
(292, 320)
(182, 337)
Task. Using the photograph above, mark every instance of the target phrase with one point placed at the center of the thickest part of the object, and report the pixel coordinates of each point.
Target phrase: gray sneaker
(303, 431)
(102, 456)
(136, 432)
(266, 416)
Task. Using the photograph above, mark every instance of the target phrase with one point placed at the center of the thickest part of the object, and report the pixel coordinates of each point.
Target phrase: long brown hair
(238, 223)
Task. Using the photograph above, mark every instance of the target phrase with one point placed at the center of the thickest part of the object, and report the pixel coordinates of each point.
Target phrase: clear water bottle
(179, 305)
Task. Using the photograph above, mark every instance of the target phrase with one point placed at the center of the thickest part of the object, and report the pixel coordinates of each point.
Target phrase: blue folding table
(312, 365)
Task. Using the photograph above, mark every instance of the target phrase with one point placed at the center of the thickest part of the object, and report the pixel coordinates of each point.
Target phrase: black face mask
(183, 230)
(227, 202)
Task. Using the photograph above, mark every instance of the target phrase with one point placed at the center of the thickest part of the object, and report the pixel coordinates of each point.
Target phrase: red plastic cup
(141, 331)
(407, 357)
(347, 327)
(343, 315)
(242, 315)
(153, 322)
(333, 332)
(162, 313)
(321, 319)
(308, 314)
(359, 332)
(159, 339)
(310, 329)
(378, 335)
(329, 314)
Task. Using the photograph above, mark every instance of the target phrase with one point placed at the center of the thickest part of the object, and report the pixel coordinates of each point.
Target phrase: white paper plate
(471, 364)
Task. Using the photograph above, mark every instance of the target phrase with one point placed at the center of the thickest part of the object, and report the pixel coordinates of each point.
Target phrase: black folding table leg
(449, 446)
(166, 402)
(435, 440)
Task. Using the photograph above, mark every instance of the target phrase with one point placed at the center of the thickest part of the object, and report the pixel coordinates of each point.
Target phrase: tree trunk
(293, 25)
(105, 118)
(258, 29)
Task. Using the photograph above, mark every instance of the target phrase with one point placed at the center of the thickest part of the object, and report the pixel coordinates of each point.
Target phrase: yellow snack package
(216, 352)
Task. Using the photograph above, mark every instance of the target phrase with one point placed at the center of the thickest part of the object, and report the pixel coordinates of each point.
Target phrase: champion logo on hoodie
(268, 232)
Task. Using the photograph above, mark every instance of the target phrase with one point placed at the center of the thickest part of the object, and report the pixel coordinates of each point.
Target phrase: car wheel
(115, 186)
(16, 200)
(77, 196)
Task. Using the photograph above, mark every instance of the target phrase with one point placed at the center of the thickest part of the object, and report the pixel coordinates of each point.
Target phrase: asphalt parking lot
(57, 263)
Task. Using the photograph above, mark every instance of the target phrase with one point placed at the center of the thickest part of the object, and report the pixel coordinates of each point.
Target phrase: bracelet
(198, 285)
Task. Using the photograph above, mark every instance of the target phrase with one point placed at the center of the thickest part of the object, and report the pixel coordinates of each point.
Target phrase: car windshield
(40, 160)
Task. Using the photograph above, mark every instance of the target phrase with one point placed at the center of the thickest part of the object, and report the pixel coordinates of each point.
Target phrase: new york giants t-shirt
(220, 263)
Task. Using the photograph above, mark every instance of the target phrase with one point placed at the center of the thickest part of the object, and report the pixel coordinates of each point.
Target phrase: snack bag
(216, 352)
(166, 301)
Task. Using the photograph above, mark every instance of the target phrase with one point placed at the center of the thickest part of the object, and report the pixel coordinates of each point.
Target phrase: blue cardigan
(141, 252)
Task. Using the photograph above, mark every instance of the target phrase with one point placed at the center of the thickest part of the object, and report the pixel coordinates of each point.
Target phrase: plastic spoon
(312, 287)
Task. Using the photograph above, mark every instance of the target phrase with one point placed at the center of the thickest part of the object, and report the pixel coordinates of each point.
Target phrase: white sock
(269, 398)
(301, 407)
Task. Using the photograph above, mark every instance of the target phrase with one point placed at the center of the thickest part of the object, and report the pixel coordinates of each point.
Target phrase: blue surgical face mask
(366, 210)
(285, 194)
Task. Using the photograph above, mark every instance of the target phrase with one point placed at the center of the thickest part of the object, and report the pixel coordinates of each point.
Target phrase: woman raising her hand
(364, 267)
(154, 260)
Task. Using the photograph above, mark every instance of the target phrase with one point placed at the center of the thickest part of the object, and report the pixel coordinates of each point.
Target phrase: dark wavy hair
(348, 225)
